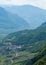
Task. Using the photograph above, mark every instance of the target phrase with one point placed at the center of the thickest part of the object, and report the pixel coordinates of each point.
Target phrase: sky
(38, 3)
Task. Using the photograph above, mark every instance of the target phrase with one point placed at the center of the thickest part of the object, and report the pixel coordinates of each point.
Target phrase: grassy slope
(39, 59)
(23, 56)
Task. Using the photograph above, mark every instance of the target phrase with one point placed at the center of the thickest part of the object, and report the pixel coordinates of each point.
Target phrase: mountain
(34, 38)
(11, 22)
(39, 59)
(22, 47)
(26, 47)
(44, 25)
(33, 15)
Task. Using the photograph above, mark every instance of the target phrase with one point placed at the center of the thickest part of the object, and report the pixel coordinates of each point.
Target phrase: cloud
(13, 2)
(38, 3)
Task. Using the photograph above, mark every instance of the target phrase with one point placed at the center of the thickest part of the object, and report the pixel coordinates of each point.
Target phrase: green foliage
(35, 38)
(39, 59)
(33, 42)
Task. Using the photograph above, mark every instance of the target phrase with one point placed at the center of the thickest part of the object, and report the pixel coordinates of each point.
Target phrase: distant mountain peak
(33, 15)
(11, 22)
(44, 24)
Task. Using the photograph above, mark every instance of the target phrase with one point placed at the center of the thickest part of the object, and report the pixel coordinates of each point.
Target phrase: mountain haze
(33, 15)
(11, 22)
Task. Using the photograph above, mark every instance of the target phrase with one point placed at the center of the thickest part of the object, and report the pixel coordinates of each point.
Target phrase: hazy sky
(38, 3)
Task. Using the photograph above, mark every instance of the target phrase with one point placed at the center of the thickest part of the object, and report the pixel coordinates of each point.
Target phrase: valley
(22, 47)
(22, 35)
(14, 55)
